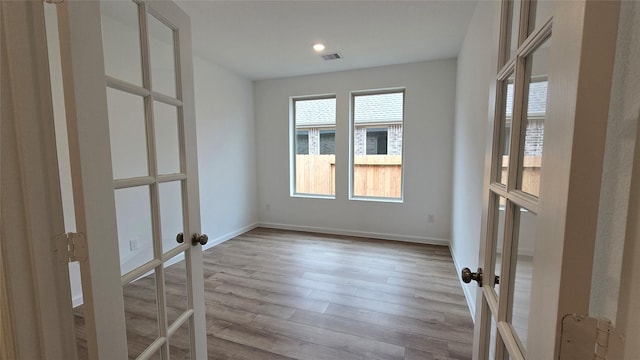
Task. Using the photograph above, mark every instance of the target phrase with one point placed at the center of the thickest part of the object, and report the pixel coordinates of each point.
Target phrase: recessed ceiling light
(318, 47)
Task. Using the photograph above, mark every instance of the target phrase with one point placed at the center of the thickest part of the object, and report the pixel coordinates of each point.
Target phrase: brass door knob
(180, 238)
(467, 276)
(199, 239)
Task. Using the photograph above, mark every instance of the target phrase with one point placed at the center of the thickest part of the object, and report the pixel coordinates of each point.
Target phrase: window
(377, 126)
(327, 142)
(302, 142)
(314, 121)
(377, 141)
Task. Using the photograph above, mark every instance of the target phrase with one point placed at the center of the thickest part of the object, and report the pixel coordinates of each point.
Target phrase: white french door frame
(40, 325)
(582, 48)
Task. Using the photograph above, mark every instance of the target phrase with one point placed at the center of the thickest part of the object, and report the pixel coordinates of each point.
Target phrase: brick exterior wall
(394, 140)
(534, 136)
(314, 141)
(360, 140)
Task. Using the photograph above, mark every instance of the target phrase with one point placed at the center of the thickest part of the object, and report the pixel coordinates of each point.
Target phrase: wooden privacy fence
(530, 173)
(315, 174)
(374, 175)
(377, 176)
(381, 175)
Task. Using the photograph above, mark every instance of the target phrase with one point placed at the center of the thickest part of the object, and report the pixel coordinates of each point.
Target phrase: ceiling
(271, 39)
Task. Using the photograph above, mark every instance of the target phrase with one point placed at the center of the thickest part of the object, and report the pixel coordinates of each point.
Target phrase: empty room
(337, 180)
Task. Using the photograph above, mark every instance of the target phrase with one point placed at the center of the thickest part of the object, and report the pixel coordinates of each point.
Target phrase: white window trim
(292, 144)
(352, 126)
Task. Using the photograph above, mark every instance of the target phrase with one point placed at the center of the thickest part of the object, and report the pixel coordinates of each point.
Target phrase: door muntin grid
(153, 183)
(511, 341)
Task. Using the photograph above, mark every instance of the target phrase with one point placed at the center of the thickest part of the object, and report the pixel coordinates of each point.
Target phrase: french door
(128, 82)
(551, 104)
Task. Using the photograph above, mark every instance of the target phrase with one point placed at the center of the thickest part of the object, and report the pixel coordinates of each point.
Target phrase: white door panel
(551, 105)
(128, 82)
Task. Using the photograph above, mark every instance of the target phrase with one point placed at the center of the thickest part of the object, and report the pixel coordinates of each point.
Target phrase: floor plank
(282, 295)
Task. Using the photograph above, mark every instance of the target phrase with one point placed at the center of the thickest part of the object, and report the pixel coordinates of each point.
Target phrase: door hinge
(71, 247)
(585, 337)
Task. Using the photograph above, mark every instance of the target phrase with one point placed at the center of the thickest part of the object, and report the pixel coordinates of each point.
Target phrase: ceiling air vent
(334, 56)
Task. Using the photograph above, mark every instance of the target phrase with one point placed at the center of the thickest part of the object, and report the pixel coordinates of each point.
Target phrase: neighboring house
(316, 127)
(536, 110)
(378, 126)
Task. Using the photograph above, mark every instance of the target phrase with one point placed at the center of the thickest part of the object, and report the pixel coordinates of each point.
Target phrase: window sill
(377, 199)
(313, 196)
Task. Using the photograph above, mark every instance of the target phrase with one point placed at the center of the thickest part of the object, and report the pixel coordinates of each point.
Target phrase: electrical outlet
(133, 245)
(267, 207)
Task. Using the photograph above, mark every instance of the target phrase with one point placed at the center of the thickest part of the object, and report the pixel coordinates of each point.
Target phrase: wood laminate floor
(273, 294)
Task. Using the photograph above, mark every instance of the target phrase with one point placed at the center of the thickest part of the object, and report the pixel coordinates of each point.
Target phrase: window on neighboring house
(314, 123)
(377, 141)
(327, 142)
(302, 142)
(377, 126)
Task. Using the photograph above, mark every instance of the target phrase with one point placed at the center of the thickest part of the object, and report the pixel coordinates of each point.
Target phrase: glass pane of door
(493, 333)
(141, 311)
(128, 134)
(497, 244)
(171, 215)
(513, 34)
(523, 248)
(504, 136)
(532, 129)
(121, 40)
(539, 14)
(135, 228)
(162, 57)
(176, 290)
(167, 132)
(179, 348)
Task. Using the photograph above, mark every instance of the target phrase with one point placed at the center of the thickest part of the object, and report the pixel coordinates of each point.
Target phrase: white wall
(226, 151)
(428, 130)
(619, 147)
(476, 71)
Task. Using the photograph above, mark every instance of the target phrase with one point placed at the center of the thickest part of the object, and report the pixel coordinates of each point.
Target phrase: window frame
(293, 191)
(352, 147)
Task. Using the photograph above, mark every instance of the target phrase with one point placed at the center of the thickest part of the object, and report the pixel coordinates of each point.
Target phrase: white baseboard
(228, 236)
(465, 287)
(366, 234)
